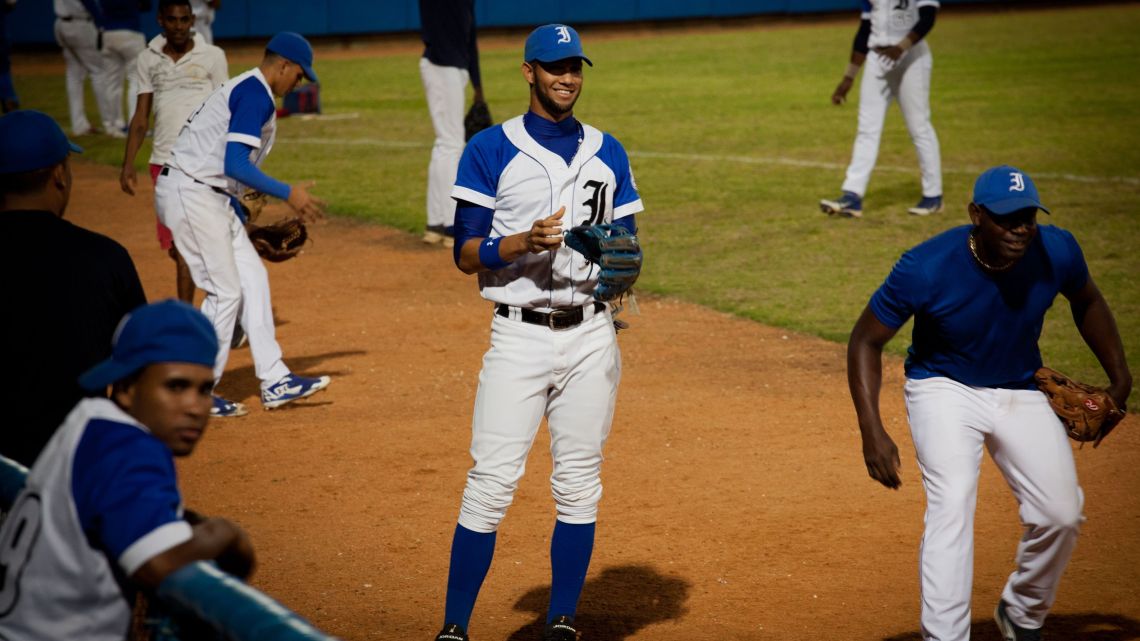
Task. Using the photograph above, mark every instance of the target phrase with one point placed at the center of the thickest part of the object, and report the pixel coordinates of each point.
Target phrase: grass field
(733, 142)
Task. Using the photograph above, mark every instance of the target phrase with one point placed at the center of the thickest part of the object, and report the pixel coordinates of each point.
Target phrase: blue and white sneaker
(849, 204)
(291, 388)
(927, 206)
(227, 409)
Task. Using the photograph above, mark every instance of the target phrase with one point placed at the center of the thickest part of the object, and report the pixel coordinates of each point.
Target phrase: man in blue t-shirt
(101, 515)
(978, 295)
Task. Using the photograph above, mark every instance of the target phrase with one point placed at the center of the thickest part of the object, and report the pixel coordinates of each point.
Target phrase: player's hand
(892, 53)
(128, 179)
(546, 234)
(1119, 393)
(882, 458)
(840, 95)
(307, 205)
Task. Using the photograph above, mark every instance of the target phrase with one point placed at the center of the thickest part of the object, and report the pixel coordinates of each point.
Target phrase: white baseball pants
(121, 49)
(444, 87)
(570, 377)
(950, 423)
(907, 81)
(223, 264)
(78, 38)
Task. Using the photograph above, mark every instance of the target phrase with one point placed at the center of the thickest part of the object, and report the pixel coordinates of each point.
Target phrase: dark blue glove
(613, 249)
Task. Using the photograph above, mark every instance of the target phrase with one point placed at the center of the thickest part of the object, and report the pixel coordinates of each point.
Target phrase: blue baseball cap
(169, 331)
(552, 42)
(294, 48)
(1003, 190)
(31, 140)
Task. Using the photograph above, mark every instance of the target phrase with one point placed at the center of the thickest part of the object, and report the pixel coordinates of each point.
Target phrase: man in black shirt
(450, 59)
(67, 288)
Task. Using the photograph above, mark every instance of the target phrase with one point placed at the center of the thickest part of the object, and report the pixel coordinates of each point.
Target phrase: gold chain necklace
(973, 243)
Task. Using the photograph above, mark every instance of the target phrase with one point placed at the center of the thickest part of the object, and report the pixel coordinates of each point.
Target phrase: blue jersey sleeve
(625, 192)
(484, 158)
(239, 167)
(1069, 261)
(124, 485)
(250, 108)
(902, 294)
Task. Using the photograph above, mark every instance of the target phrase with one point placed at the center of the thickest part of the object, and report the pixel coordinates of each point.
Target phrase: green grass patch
(1050, 96)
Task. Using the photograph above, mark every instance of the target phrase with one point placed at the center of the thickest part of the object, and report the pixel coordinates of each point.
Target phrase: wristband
(852, 71)
(489, 254)
(905, 43)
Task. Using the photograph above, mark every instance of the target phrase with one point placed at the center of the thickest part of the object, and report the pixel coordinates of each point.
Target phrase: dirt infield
(736, 502)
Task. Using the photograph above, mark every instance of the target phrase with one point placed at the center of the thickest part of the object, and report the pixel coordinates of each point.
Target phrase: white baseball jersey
(507, 171)
(891, 20)
(100, 502)
(200, 151)
(178, 87)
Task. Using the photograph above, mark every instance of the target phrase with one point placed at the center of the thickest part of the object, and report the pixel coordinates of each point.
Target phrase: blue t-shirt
(974, 327)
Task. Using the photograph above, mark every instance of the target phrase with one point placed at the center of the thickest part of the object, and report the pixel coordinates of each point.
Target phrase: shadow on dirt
(615, 604)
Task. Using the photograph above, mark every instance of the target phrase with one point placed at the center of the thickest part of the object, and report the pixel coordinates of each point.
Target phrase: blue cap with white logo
(169, 331)
(1003, 190)
(294, 48)
(553, 42)
(31, 140)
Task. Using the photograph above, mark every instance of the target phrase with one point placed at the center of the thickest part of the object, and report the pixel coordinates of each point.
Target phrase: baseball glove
(280, 241)
(252, 202)
(477, 119)
(1088, 413)
(614, 250)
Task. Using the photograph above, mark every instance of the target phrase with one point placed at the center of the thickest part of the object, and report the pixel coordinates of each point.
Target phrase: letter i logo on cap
(1016, 181)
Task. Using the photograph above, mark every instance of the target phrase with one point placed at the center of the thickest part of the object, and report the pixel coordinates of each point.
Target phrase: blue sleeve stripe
(614, 156)
(483, 161)
(123, 483)
(250, 108)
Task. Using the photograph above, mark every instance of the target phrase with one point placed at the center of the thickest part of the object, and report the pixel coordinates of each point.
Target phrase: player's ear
(975, 214)
(528, 72)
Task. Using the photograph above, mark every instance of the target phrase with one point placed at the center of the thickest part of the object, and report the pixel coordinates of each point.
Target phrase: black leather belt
(70, 18)
(166, 172)
(564, 318)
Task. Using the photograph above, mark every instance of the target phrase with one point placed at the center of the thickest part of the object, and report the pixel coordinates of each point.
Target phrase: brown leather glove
(1088, 413)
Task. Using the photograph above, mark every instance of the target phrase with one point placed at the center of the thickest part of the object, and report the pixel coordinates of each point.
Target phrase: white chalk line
(743, 160)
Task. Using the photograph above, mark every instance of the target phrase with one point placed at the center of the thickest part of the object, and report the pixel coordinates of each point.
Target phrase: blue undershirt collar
(563, 138)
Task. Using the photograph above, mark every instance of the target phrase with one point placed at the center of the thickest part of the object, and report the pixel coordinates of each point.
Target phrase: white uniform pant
(203, 26)
(571, 377)
(907, 81)
(121, 49)
(950, 423)
(444, 87)
(78, 38)
(223, 264)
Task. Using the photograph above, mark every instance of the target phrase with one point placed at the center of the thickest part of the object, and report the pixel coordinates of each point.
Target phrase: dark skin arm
(136, 133)
(895, 51)
(544, 235)
(839, 96)
(865, 378)
(213, 539)
(1097, 326)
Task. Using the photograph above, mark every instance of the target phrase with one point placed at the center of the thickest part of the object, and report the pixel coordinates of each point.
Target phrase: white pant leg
(875, 95)
(1033, 452)
(199, 219)
(914, 101)
(77, 39)
(204, 27)
(444, 88)
(948, 422)
(580, 413)
(257, 309)
(509, 404)
(121, 48)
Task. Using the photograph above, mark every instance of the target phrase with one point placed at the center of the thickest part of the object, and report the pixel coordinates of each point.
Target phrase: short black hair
(163, 4)
(25, 182)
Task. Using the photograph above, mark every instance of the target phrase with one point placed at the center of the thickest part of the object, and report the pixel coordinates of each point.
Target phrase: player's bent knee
(577, 503)
(483, 508)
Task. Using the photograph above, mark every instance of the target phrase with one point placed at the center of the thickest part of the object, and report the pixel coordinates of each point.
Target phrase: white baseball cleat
(292, 388)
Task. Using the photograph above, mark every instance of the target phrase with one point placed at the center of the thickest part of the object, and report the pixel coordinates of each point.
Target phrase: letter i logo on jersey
(563, 35)
(1016, 181)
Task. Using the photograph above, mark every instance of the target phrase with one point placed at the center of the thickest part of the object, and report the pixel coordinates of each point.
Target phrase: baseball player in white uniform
(216, 155)
(898, 68)
(175, 74)
(204, 11)
(123, 41)
(101, 515)
(978, 294)
(76, 33)
(553, 352)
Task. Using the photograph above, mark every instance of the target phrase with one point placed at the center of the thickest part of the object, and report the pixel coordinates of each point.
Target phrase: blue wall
(32, 20)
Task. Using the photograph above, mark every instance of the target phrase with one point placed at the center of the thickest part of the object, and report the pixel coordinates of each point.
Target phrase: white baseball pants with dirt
(121, 49)
(951, 423)
(223, 264)
(908, 82)
(78, 38)
(444, 88)
(569, 376)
